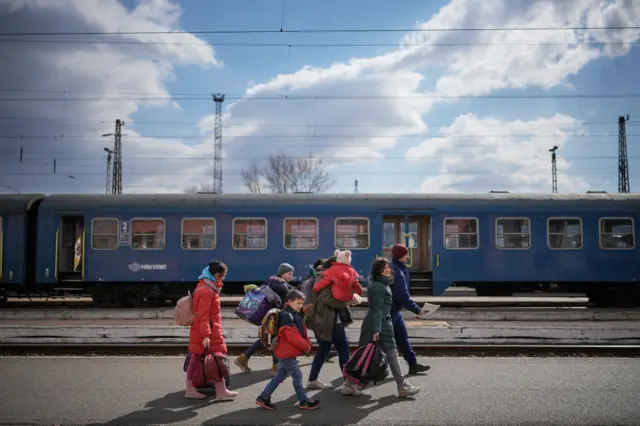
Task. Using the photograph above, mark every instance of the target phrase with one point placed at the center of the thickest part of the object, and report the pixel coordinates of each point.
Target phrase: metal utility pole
(355, 187)
(108, 184)
(623, 162)
(554, 171)
(217, 147)
(116, 188)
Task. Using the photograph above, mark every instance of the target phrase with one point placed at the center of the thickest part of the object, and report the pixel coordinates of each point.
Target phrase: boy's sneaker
(265, 403)
(407, 389)
(316, 384)
(310, 404)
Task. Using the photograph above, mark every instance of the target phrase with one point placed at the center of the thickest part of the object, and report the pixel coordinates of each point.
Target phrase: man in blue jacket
(402, 299)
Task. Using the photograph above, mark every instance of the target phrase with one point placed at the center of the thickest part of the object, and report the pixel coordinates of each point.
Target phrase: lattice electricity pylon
(623, 161)
(117, 159)
(554, 171)
(217, 147)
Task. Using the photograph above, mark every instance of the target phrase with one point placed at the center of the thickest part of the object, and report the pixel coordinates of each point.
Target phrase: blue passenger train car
(17, 238)
(127, 248)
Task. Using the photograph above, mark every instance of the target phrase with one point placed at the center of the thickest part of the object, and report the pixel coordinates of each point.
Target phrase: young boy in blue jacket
(402, 299)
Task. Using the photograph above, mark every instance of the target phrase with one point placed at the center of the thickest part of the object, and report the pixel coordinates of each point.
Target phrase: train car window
(617, 233)
(147, 234)
(461, 233)
(513, 233)
(105, 234)
(352, 233)
(250, 233)
(300, 233)
(198, 234)
(564, 233)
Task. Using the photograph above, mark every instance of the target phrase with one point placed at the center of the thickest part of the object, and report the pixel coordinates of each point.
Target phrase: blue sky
(390, 144)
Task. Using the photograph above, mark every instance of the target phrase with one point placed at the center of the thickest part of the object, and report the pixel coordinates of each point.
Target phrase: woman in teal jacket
(377, 325)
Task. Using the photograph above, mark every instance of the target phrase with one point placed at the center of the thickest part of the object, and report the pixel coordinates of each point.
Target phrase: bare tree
(194, 189)
(285, 175)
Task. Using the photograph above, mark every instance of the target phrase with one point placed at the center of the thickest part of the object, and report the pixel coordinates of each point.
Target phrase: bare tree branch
(285, 175)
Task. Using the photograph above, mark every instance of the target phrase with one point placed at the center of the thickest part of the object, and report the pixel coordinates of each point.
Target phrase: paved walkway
(458, 391)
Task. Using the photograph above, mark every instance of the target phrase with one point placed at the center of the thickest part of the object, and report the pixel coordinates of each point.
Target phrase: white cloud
(121, 71)
(547, 60)
(395, 79)
(496, 157)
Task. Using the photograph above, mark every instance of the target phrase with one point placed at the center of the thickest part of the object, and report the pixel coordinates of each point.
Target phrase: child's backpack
(367, 364)
(268, 330)
(183, 313)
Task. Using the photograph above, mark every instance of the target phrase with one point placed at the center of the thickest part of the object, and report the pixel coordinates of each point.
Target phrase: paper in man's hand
(428, 309)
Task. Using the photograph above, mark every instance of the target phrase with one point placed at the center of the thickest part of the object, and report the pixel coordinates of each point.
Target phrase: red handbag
(211, 368)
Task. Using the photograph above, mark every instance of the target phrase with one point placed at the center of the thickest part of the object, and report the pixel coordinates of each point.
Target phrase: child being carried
(342, 278)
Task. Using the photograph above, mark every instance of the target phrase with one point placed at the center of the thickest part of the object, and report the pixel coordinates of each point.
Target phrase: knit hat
(343, 256)
(284, 268)
(399, 251)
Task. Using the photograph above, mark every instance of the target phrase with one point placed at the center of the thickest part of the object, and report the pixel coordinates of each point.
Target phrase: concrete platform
(238, 332)
(456, 391)
(445, 314)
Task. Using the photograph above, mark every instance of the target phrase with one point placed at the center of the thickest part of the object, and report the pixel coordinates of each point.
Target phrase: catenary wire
(317, 45)
(318, 31)
(613, 121)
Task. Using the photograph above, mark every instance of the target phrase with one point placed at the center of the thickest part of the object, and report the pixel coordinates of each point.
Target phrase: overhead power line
(207, 175)
(292, 125)
(360, 157)
(196, 97)
(316, 45)
(316, 31)
(334, 136)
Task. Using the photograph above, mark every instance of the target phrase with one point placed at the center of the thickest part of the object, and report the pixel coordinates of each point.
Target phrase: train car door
(70, 259)
(417, 238)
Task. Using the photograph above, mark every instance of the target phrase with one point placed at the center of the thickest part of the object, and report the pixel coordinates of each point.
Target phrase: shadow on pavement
(171, 408)
(335, 409)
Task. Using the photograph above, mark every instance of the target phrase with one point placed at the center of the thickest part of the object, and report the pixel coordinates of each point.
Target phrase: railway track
(461, 350)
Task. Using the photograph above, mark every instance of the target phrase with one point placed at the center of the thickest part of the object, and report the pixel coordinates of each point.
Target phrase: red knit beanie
(399, 251)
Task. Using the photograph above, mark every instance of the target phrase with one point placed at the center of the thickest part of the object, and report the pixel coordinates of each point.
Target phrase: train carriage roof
(330, 199)
(18, 203)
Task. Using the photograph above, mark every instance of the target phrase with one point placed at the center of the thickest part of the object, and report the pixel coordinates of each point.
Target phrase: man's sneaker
(316, 384)
(310, 404)
(350, 390)
(418, 368)
(265, 403)
(407, 389)
(274, 370)
(242, 362)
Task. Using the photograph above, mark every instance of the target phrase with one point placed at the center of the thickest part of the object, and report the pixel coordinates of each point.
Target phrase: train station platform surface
(240, 333)
(150, 390)
(535, 313)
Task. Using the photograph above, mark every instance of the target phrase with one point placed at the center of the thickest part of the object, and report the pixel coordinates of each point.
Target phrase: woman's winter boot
(192, 392)
(222, 392)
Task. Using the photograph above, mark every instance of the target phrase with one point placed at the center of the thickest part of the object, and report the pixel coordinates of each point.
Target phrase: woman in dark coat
(377, 325)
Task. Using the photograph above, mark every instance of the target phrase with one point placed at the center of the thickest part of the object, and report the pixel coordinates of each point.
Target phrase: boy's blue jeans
(286, 367)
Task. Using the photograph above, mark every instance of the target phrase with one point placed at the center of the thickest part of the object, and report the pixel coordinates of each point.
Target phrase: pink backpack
(183, 313)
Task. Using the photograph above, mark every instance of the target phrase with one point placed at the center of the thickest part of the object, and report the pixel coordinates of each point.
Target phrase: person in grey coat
(377, 325)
